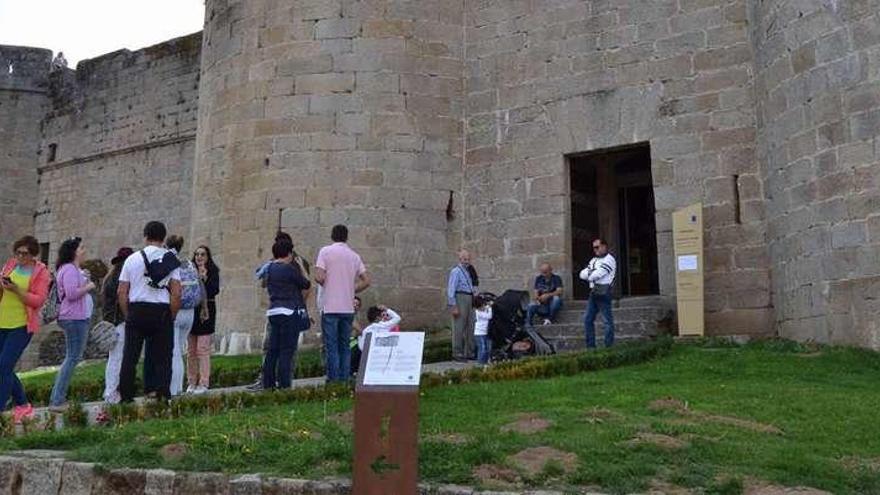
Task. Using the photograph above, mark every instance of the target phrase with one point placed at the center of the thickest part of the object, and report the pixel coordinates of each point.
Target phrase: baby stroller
(511, 338)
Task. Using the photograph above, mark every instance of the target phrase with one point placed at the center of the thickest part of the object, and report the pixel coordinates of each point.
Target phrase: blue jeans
(76, 334)
(336, 332)
(484, 348)
(547, 310)
(278, 363)
(12, 345)
(596, 305)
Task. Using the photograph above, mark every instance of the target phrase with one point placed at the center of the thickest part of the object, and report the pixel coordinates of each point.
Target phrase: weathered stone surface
(23, 99)
(248, 484)
(77, 478)
(440, 129)
(159, 482)
(41, 475)
(201, 484)
(10, 474)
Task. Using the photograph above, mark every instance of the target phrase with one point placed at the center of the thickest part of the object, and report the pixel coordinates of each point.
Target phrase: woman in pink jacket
(24, 285)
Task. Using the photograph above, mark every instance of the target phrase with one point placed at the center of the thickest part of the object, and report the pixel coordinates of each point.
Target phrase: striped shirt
(600, 270)
(459, 281)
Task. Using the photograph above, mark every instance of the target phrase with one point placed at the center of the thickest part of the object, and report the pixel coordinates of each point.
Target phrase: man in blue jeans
(341, 273)
(548, 296)
(599, 273)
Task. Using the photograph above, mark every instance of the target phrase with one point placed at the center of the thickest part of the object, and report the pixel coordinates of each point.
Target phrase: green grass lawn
(770, 412)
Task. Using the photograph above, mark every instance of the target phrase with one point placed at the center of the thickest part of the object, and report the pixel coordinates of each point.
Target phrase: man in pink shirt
(341, 273)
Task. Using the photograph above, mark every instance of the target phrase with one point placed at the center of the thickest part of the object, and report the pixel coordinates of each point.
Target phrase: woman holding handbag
(74, 314)
(287, 314)
(199, 342)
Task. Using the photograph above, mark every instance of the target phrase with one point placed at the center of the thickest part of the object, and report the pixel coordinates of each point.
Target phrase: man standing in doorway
(341, 273)
(548, 296)
(460, 292)
(149, 298)
(599, 273)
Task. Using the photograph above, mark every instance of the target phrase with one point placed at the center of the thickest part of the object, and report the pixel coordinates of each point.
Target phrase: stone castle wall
(124, 129)
(24, 86)
(433, 124)
(319, 112)
(550, 78)
(818, 95)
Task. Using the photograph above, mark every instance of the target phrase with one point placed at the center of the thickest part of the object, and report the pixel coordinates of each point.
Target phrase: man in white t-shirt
(149, 300)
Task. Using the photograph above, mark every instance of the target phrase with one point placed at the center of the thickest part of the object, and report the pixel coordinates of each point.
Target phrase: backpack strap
(146, 263)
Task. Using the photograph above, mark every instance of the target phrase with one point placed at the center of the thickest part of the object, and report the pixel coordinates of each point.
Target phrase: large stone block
(325, 83)
(201, 484)
(77, 478)
(159, 482)
(39, 475)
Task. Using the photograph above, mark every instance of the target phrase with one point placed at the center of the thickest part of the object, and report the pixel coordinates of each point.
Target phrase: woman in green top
(24, 285)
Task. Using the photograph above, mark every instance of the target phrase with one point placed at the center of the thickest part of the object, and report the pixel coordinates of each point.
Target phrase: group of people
(154, 297)
(339, 275)
(472, 312)
(162, 303)
(166, 302)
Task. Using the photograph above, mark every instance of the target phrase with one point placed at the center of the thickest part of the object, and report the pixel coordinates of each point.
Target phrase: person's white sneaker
(200, 390)
(547, 322)
(191, 389)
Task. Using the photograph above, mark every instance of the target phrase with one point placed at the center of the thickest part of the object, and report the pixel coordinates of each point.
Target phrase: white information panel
(394, 358)
(687, 263)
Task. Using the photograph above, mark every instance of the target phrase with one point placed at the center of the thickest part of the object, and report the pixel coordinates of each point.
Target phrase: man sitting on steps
(548, 296)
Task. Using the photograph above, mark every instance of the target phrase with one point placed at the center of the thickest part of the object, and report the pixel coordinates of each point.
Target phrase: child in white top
(481, 329)
(382, 320)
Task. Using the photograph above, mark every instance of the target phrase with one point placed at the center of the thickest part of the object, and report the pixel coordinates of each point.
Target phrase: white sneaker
(200, 390)
(547, 322)
(191, 389)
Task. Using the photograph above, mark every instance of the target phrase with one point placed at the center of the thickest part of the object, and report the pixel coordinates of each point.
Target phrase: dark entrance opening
(612, 196)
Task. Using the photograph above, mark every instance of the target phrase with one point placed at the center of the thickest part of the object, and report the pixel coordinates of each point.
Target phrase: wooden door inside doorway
(612, 197)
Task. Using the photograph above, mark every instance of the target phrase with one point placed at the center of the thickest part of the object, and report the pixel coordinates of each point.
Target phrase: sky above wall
(84, 29)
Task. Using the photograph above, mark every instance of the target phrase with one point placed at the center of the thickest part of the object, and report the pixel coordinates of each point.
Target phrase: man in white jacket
(599, 273)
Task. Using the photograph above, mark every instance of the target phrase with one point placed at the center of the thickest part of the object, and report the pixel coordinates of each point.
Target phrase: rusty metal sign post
(386, 415)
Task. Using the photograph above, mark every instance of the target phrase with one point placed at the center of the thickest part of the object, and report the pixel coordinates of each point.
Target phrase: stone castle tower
(24, 101)
(517, 128)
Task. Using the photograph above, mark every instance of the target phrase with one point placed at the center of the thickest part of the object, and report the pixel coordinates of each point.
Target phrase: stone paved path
(95, 408)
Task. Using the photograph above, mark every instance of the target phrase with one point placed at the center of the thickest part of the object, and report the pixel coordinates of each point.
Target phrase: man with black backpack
(149, 297)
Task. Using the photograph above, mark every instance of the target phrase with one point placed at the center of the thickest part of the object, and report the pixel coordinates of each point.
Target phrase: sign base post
(386, 434)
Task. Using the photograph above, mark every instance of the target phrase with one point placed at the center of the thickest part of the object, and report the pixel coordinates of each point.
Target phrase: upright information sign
(386, 415)
(687, 234)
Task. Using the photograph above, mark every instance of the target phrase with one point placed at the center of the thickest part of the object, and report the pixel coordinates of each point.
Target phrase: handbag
(600, 290)
(204, 311)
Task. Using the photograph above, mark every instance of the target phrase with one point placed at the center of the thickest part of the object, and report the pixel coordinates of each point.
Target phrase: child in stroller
(509, 336)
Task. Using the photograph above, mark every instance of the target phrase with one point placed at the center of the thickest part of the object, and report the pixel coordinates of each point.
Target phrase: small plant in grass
(552, 469)
(7, 427)
(725, 486)
(75, 415)
(48, 423)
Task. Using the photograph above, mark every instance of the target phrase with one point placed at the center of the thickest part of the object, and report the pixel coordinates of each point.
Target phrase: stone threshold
(47, 472)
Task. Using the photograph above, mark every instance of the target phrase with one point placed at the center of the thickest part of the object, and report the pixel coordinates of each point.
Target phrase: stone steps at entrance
(634, 318)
